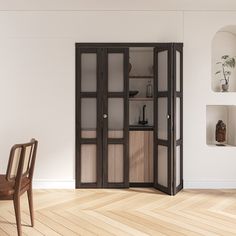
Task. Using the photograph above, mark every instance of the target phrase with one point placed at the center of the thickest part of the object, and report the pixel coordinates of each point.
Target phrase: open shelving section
(141, 73)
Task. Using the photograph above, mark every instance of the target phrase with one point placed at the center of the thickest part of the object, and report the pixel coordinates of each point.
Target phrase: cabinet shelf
(141, 127)
(141, 76)
(140, 99)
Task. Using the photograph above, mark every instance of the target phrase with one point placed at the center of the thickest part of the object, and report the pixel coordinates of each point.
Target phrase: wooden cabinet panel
(115, 163)
(141, 156)
(88, 163)
(115, 133)
(88, 133)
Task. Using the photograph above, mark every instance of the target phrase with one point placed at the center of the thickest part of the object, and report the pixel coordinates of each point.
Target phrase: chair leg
(31, 208)
(16, 201)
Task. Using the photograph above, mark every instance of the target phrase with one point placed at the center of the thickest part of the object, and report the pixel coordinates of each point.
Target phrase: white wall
(37, 75)
(204, 166)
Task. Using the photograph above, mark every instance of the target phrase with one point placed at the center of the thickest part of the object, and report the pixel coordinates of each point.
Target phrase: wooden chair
(18, 178)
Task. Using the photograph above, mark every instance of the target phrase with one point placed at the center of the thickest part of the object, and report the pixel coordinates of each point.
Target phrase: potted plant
(226, 63)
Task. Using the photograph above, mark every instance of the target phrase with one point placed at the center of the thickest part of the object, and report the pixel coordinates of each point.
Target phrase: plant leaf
(225, 57)
(230, 62)
(227, 73)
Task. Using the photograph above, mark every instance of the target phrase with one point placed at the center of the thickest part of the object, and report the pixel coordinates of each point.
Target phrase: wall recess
(224, 50)
(226, 113)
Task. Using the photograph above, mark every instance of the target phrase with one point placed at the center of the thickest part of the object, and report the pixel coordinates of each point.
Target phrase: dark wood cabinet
(113, 147)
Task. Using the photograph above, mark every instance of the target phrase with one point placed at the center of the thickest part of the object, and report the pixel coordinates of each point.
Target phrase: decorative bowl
(132, 93)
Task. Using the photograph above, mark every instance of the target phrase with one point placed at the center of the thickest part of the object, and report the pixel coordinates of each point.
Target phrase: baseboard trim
(53, 184)
(209, 184)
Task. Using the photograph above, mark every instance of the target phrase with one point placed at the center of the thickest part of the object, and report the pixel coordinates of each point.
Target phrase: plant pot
(225, 87)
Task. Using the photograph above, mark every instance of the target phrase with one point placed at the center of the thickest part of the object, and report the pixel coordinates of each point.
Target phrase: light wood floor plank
(124, 212)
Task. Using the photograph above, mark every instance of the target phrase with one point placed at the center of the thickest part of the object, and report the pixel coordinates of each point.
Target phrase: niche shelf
(226, 113)
(223, 43)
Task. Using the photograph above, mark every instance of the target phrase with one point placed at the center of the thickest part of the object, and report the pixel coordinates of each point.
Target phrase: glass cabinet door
(163, 119)
(88, 135)
(115, 118)
(168, 152)
(178, 121)
(102, 117)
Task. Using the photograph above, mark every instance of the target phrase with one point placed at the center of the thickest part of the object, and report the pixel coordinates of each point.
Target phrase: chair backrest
(21, 161)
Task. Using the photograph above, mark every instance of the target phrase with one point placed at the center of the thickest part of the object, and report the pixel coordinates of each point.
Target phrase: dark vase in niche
(220, 132)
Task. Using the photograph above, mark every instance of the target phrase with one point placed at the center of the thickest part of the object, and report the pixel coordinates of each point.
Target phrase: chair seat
(7, 188)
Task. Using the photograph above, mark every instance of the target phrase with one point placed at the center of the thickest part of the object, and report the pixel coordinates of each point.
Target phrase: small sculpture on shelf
(133, 93)
(144, 121)
(220, 134)
(149, 91)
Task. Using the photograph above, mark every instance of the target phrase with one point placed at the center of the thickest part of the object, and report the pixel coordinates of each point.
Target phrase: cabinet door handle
(105, 116)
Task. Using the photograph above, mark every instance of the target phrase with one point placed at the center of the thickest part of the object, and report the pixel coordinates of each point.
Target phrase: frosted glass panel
(88, 117)
(177, 71)
(88, 163)
(163, 71)
(162, 115)
(115, 117)
(89, 72)
(163, 166)
(178, 118)
(116, 72)
(115, 163)
(177, 166)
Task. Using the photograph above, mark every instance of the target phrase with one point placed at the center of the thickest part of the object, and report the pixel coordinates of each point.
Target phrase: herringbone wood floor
(138, 212)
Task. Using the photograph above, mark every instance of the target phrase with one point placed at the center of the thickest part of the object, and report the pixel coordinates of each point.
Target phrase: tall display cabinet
(129, 106)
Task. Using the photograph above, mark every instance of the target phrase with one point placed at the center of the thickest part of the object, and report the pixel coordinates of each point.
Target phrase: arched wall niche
(223, 43)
